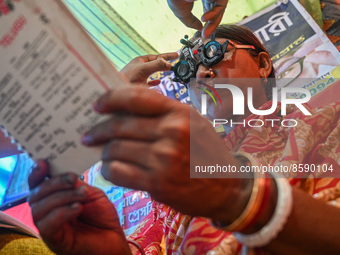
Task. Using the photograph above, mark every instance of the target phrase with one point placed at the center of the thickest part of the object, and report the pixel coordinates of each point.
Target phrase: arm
(312, 228)
(73, 217)
(149, 148)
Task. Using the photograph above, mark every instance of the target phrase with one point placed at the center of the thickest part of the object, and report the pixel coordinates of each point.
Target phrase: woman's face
(237, 63)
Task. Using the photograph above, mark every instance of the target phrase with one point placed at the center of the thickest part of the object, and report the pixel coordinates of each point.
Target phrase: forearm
(313, 227)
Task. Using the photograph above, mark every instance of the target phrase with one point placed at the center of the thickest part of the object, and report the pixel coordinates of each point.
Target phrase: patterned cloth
(315, 140)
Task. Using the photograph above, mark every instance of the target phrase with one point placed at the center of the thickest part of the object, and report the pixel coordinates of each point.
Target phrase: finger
(182, 10)
(211, 25)
(169, 55)
(56, 219)
(191, 21)
(218, 8)
(122, 126)
(215, 13)
(166, 56)
(38, 173)
(58, 199)
(132, 151)
(135, 100)
(213, 17)
(62, 182)
(125, 174)
(156, 65)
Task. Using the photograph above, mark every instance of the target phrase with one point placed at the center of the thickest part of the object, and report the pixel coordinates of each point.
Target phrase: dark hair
(243, 35)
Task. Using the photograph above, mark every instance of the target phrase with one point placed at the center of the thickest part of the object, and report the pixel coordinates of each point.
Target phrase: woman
(147, 147)
(253, 61)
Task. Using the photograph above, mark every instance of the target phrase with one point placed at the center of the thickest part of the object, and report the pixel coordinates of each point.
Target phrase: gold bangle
(252, 207)
(254, 203)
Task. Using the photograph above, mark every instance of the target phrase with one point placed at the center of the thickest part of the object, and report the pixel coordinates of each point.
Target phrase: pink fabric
(23, 214)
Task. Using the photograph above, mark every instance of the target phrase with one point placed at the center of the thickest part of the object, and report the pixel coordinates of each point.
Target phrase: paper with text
(51, 72)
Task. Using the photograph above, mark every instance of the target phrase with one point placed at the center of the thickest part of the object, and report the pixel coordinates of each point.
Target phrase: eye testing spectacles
(197, 53)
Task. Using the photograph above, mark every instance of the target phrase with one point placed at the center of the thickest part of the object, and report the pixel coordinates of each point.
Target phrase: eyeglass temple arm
(224, 46)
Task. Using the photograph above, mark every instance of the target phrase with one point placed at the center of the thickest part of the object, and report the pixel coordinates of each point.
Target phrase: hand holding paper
(73, 217)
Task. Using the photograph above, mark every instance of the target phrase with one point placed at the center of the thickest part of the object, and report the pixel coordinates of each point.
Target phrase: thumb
(38, 173)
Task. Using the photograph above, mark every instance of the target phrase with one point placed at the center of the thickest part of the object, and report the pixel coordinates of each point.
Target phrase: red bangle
(257, 202)
(263, 206)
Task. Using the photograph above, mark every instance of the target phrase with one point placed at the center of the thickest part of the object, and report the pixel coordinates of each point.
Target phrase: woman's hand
(182, 10)
(73, 217)
(152, 143)
(140, 68)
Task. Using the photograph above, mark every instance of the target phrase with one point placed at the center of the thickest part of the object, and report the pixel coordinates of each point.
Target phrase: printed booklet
(51, 72)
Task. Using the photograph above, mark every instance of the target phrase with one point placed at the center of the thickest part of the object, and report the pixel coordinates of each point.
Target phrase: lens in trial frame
(183, 69)
(211, 51)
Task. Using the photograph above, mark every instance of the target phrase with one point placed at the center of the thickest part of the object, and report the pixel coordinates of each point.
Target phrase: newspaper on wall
(297, 45)
(51, 72)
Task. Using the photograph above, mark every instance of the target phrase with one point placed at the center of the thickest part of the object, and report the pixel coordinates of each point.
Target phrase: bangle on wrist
(283, 209)
(258, 200)
(264, 205)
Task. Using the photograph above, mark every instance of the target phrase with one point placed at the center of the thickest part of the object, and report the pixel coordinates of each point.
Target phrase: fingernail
(75, 206)
(168, 64)
(81, 191)
(96, 105)
(86, 139)
(69, 179)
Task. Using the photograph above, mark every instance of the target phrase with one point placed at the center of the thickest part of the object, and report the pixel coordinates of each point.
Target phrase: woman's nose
(205, 72)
